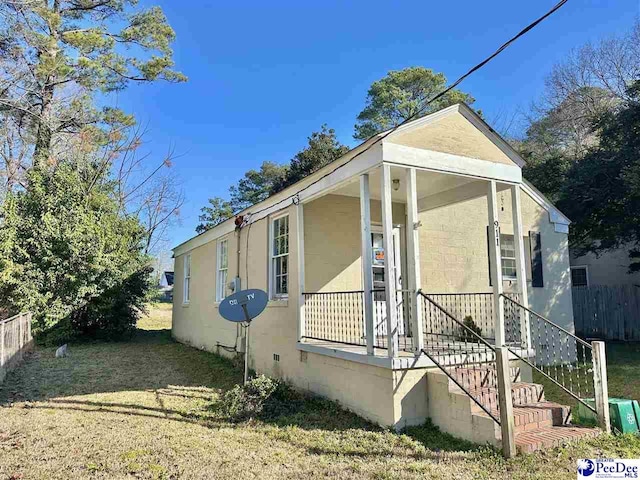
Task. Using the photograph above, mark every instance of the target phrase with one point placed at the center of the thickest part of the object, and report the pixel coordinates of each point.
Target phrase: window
(579, 277)
(508, 254)
(223, 267)
(280, 257)
(187, 279)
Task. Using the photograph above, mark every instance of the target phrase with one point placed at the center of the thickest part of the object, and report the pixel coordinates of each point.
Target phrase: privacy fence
(607, 312)
(15, 340)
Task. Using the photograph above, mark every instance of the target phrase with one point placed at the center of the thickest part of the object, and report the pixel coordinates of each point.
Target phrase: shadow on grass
(153, 362)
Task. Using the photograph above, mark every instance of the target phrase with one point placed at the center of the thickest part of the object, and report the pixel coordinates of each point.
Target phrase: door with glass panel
(379, 275)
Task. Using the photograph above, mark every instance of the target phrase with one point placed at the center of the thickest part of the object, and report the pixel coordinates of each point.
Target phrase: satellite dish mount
(242, 307)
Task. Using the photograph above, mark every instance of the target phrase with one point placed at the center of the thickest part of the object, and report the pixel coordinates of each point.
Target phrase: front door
(379, 276)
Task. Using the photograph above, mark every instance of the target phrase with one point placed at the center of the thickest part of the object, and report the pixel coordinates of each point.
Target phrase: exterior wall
(332, 241)
(456, 135)
(608, 269)
(364, 389)
(455, 257)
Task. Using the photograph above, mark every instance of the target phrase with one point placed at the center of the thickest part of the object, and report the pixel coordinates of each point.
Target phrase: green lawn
(145, 408)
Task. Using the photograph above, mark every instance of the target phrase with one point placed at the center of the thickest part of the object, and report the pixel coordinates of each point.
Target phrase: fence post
(600, 385)
(505, 402)
(2, 334)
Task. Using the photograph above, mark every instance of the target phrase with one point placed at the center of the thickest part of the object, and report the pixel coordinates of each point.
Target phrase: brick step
(521, 393)
(483, 375)
(549, 437)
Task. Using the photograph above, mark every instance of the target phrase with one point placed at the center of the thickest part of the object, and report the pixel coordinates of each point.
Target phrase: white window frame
(272, 259)
(186, 277)
(586, 273)
(222, 273)
(503, 258)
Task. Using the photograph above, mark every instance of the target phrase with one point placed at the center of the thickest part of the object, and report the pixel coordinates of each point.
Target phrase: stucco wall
(456, 135)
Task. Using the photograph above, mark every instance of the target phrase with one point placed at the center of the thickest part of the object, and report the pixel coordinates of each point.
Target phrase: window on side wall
(579, 277)
(186, 295)
(222, 263)
(279, 261)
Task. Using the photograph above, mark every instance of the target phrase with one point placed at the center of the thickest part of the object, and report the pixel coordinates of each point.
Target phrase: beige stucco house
(373, 263)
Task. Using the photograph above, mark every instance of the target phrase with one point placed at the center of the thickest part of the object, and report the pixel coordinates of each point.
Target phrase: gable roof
(228, 226)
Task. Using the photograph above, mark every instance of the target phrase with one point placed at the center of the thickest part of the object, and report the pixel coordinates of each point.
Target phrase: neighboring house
(372, 263)
(166, 286)
(609, 269)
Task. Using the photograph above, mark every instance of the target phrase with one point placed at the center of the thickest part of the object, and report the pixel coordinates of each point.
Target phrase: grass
(145, 408)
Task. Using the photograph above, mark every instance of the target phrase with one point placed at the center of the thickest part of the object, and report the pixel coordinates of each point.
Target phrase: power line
(294, 197)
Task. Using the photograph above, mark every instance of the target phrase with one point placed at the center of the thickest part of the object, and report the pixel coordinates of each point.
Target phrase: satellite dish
(244, 306)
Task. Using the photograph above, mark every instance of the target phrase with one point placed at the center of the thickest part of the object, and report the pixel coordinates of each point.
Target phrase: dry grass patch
(146, 408)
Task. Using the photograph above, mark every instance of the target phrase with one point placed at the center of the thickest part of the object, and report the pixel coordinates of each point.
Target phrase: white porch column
(413, 260)
(367, 259)
(389, 264)
(496, 264)
(521, 272)
(300, 248)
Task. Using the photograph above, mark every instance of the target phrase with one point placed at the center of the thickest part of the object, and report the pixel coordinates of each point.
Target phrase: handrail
(547, 320)
(434, 358)
(482, 340)
(332, 293)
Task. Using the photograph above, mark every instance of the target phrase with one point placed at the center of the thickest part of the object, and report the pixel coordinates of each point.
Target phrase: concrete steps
(538, 422)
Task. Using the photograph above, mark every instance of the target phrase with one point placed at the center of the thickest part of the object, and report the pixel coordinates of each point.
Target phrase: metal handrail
(548, 321)
(535, 367)
(332, 293)
(444, 370)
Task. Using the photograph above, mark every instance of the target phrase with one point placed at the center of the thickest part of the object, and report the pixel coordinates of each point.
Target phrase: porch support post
(413, 261)
(389, 264)
(521, 273)
(496, 264)
(300, 248)
(367, 259)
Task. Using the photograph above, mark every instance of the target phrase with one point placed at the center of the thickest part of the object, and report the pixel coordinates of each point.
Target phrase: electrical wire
(295, 197)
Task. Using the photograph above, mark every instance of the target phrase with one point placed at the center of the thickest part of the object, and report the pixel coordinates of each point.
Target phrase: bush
(247, 401)
(466, 335)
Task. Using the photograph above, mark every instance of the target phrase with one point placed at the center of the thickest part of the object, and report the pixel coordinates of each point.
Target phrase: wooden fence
(15, 340)
(607, 312)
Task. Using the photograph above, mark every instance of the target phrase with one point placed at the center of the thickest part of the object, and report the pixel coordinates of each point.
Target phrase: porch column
(496, 264)
(300, 248)
(367, 259)
(521, 273)
(389, 264)
(413, 261)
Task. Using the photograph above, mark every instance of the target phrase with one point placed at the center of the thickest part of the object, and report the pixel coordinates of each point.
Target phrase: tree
(565, 124)
(213, 214)
(323, 148)
(403, 95)
(49, 48)
(256, 185)
(602, 194)
(67, 252)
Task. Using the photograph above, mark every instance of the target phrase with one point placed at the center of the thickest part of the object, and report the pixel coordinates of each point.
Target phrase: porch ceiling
(428, 183)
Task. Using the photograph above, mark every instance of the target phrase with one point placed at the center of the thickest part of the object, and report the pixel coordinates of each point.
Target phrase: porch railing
(555, 352)
(335, 317)
(339, 317)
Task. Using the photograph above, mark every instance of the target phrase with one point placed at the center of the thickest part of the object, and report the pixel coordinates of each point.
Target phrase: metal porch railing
(554, 352)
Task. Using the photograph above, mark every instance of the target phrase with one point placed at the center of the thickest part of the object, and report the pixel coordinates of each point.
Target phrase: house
(165, 286)
(393, 274)
(610, 268)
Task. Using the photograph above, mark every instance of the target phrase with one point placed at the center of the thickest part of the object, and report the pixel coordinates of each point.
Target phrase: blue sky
(264, 75)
